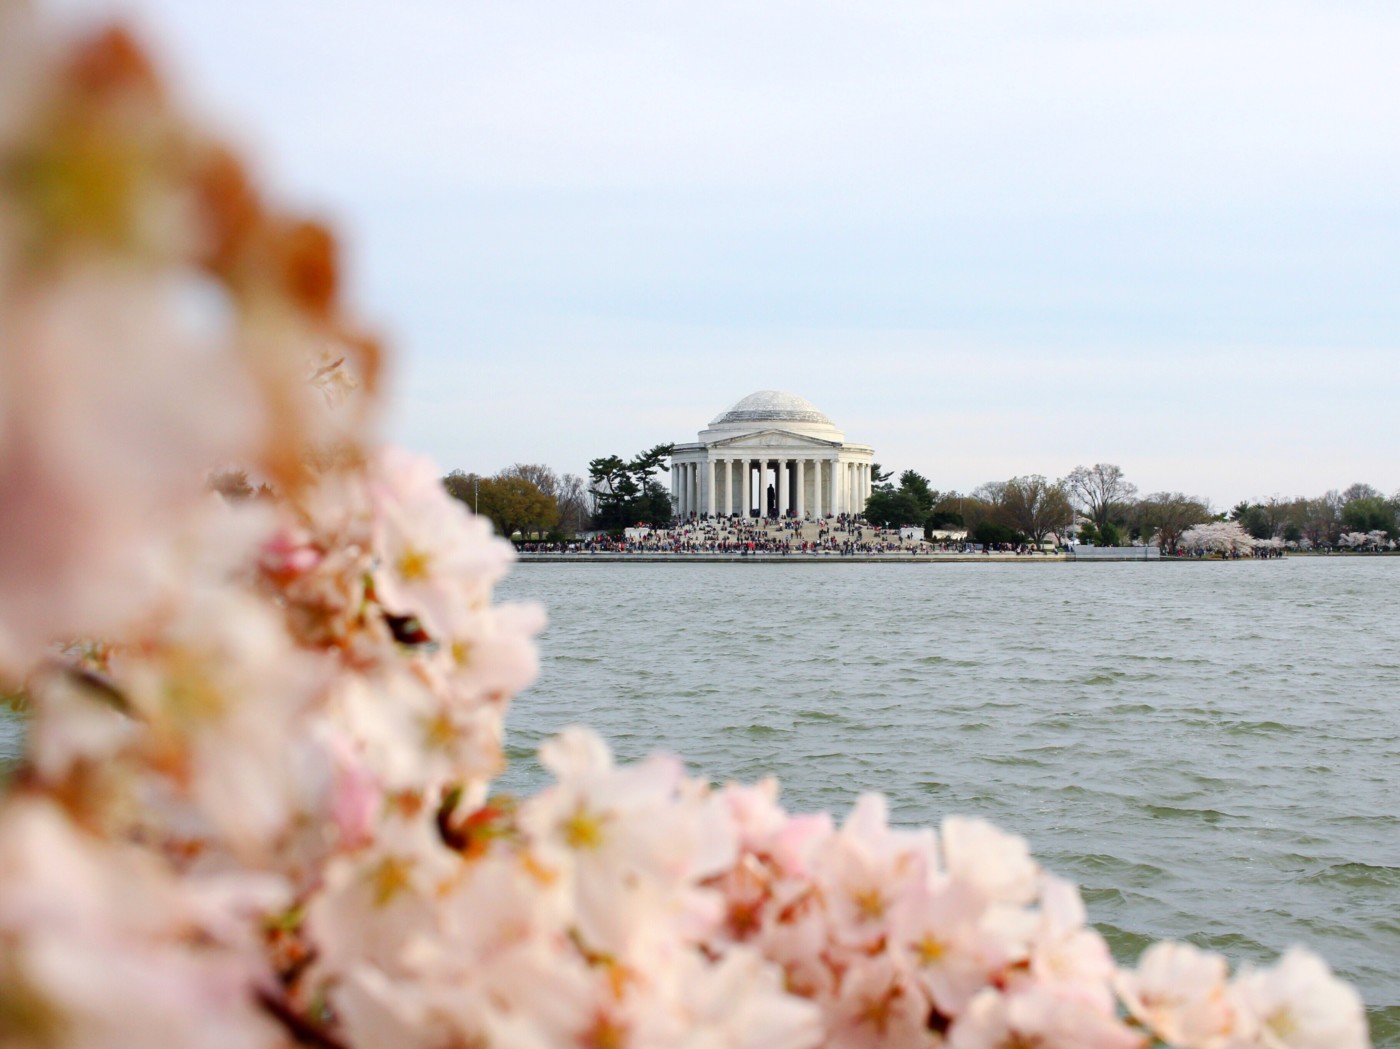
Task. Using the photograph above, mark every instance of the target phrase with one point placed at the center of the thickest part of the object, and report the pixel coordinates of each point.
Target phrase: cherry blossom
(1297, 1004)
(1179, 992)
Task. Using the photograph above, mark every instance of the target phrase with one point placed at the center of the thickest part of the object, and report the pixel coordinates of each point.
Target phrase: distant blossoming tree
(1217, 537)
(1372, 540)
(255, 807)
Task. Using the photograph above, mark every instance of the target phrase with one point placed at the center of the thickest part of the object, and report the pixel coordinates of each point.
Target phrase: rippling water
(1211, 750)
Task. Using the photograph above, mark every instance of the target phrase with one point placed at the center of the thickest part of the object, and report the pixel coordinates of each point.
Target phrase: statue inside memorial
(772, 501)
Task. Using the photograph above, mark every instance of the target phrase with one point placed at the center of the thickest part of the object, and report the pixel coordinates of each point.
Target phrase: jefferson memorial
(772, 454)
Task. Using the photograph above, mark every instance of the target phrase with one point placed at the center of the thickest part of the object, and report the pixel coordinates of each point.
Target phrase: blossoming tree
(1223, 537)
(255, 806)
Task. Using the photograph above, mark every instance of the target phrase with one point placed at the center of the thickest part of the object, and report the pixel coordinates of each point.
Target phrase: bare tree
(1036, 507)
(1098, 490)
(572, 498)
(1361, 491)
(991, 492)
(980, 505)
(539, 475)
(1168, 514)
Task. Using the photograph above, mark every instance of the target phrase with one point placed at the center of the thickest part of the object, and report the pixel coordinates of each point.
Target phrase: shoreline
(1130, 555)
(878, 559)
(764, 558)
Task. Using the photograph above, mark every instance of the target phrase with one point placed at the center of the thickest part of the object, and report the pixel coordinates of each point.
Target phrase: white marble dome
(772, 409)
(772, 453)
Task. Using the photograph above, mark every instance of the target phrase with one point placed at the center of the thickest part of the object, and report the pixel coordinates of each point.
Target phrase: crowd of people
(1235, 554)
(842, 536)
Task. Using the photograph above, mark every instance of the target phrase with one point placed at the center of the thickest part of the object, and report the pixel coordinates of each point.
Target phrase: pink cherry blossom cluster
(255, 804)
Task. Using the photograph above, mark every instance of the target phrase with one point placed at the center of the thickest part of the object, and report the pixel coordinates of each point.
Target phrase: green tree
(511, 502)
(880, 479)
(1254, 519)
(894, 507)
(947, 512)
(626, 492)
(463, 487)
(1369, 513)
(917, 486)
(994, 533)
(909, 504)
(515, 504)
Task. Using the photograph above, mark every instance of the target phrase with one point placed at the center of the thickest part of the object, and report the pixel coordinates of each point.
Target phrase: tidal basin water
(1211, 750)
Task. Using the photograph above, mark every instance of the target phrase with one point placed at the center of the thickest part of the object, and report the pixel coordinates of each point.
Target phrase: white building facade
(772, 454)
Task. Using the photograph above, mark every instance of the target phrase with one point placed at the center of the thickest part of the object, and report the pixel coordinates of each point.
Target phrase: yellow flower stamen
(413, 565)
(389, 878)
(439, 732)
(870, 903)
(461, 652)
(930, 950)
(583, 830)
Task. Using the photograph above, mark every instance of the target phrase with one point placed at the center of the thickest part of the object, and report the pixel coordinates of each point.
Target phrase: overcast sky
(986, 238)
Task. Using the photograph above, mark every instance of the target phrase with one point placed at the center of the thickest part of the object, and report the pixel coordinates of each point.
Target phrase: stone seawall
(1115, 553)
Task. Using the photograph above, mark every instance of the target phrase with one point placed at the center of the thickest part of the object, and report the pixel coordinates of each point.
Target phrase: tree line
(533, 500)
(528, 498)
(1097, 504)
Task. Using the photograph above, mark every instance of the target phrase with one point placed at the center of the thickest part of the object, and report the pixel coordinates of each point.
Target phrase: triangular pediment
(767, 439)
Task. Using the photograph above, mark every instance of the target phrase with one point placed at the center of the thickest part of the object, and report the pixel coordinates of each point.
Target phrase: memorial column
(710, 504)
(801, 489)
(782, 488)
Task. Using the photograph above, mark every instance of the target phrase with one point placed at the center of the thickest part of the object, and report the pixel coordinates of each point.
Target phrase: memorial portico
(772, 454)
